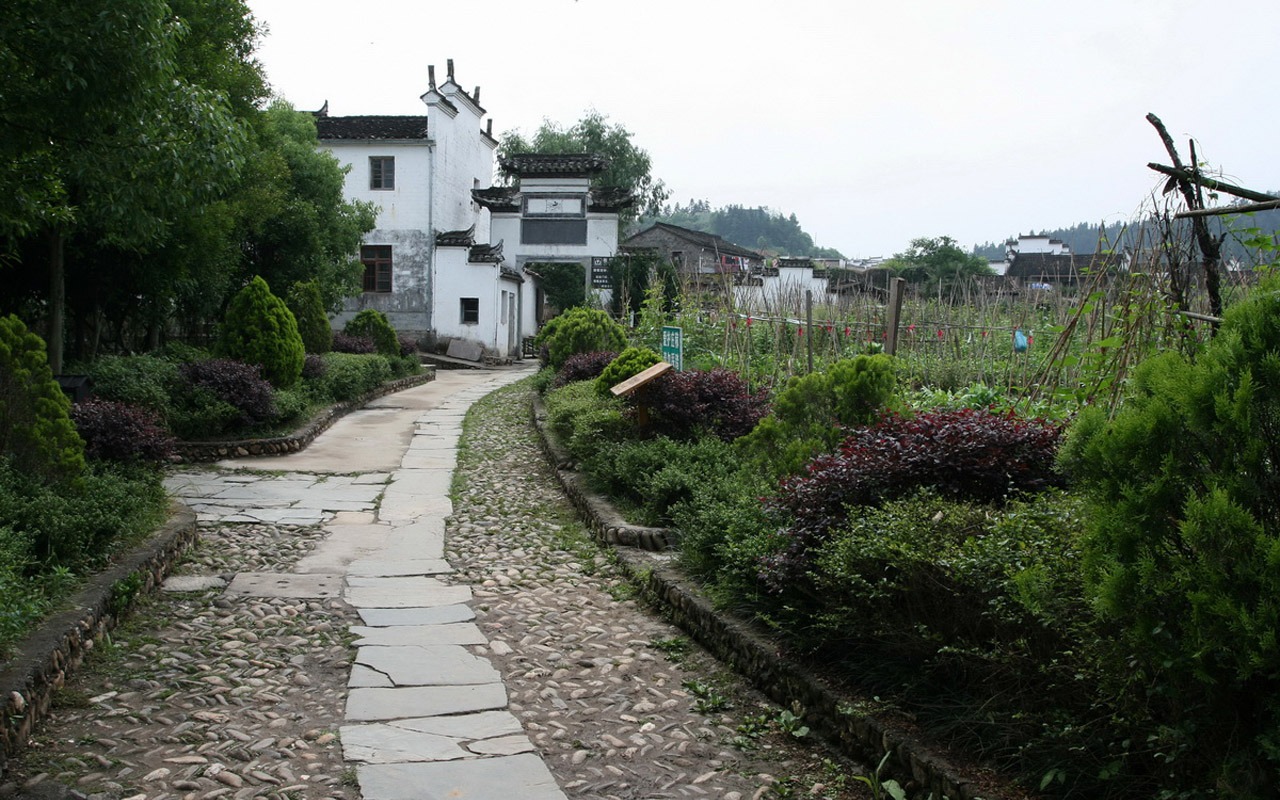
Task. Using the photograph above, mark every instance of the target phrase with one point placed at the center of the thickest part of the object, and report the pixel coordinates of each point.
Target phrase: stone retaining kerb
(734, 641)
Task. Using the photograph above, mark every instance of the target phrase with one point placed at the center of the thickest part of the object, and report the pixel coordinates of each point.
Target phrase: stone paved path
(497, 654)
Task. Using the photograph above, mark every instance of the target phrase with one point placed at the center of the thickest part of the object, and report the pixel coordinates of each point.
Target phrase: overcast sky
(873, 122)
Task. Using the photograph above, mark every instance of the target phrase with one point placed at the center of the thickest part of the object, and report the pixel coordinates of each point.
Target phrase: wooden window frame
(382, 173)
(377, 268)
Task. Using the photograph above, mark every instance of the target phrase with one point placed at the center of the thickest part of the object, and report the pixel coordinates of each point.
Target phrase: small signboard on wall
(673, 346)
(601, 275)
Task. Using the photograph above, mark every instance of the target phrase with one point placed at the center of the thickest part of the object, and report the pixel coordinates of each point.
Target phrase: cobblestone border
(57, 647)
(202, 452)
(735, 642)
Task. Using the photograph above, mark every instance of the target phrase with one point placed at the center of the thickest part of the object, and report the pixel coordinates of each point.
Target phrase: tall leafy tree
(629, 165)
(101, 136)
(295, 222)
(937, 259)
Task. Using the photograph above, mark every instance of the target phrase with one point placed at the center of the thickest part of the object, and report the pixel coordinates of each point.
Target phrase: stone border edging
(734, 642)
(57, 647)
(203, 452)
(603, 519)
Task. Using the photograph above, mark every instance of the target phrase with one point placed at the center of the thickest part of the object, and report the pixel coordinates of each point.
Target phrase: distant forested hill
(1090, 237)
(759, 228)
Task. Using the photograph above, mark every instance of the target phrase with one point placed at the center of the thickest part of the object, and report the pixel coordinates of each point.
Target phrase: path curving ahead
(498, 652)
(424, 716)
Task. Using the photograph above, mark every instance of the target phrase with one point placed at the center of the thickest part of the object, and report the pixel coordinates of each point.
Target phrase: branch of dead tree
(1246, 208)
(1210, 183)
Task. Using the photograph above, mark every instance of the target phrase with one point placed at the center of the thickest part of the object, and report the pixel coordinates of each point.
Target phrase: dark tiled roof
(545, 165)
(375, 128)
(1051, 268)
(708, 241)
(498, 198)
(456, 238)
(794, 263)
(610, 198)
(511, 274)
(486, 252)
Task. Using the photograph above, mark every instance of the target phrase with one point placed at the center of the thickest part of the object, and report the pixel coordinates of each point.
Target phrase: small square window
(377, 267)
(470, 310)
(382, 172)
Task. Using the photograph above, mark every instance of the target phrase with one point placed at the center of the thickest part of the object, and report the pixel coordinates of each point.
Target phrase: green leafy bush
(809, 416)
(630, 362)
(36, 433)
(1183, 550)
(584, 422)
(348, 376)
(260, 329)
(966, 454)
(144, 381)
(579, 330)
(77, 523)
(653, 475)
(372, 324)
(313, 323)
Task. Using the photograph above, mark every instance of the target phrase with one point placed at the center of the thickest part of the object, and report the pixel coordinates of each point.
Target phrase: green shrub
(630, 362)
(810, 414)
(579, 330)
(1183, 550)
(653, 475)
(725, 531)
(78, 523)
(313, 323)
(585, 422)
(36, 433)
(260, 329)
(374, 325)
(348, 376)
(293, 405)
(144, 381)
(201, 414)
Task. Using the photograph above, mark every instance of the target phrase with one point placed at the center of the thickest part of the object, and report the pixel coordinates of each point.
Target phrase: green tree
(629, 166)
(374, 325)
(313, 324)
(580, 330)
(36, 434)
(810, 415)
(260, 329)
(937, 260)
(563, 282)
(294, 221)
(101, 135)
(1183, 546)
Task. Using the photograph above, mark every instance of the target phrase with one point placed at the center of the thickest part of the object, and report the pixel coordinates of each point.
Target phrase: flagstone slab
(383, 566)
(393, 617)
(399, 504)
(503, 746)
(422, 665)
(502, 778)
(467, 727)
(380, 704)
(391, 597)
(386, 744)
(198, 583)
(419, 635)
(270, 584)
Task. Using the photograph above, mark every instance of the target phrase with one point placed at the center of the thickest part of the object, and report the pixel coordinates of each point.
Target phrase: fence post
(808, 325)
(895, 314)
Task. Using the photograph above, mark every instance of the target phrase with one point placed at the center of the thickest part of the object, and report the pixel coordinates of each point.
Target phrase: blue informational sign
(673, 346)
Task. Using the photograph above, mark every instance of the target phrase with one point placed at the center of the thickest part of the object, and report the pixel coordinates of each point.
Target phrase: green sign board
(673, 346)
